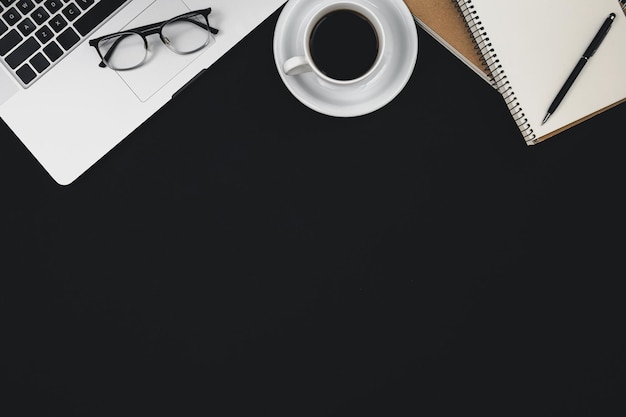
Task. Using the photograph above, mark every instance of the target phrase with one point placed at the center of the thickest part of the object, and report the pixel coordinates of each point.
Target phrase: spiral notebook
(443, 21)
(528, 48)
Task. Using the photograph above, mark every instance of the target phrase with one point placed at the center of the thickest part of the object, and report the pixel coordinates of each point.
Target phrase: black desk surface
(240, 254)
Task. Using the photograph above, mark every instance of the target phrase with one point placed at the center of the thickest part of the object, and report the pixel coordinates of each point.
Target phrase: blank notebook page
(538, 43)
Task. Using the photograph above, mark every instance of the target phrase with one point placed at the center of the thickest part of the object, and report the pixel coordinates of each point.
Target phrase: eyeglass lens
(123, 51)
(186, 34)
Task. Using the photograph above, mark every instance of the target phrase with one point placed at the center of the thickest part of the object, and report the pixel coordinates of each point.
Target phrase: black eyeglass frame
(152, 29)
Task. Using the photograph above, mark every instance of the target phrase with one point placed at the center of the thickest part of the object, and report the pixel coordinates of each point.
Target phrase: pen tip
(545, 119)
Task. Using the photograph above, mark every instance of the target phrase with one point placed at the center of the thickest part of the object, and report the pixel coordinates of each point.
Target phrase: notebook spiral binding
(489, 58)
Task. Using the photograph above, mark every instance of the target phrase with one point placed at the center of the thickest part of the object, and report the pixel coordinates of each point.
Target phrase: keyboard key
(3, 27)
(25, 6)
(68, 38)
(22, 53)
(26, 74)
(7, 3)
(71, 12)
(26, 26)
(44, 34)
(54, 6)
(12, 16)
(39, 62)
(96, 15)
(40, 15)
(84, 4)
(57, 23)
(53, 51)
(9, 41)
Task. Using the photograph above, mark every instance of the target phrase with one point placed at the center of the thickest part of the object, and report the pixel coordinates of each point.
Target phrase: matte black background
(241, 254)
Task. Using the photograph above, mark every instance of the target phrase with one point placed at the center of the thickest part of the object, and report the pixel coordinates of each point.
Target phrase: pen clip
(595, 43)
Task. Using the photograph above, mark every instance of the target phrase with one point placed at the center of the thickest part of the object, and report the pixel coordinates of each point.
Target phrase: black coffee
(344, 45)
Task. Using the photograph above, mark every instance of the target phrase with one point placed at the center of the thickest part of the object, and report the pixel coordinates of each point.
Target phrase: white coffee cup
(301, 64)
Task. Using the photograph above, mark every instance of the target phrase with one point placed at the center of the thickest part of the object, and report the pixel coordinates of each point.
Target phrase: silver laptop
(71, 99)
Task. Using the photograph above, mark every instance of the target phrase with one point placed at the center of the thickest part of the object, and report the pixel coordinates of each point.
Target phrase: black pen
(591, 49)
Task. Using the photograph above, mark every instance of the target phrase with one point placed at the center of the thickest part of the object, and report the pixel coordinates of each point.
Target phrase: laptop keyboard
(37, 34)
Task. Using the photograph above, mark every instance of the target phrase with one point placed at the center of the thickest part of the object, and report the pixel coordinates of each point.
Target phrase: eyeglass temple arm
(94, 43)
(156, 27)
(153, 28)
(204, 26)
(205, 13)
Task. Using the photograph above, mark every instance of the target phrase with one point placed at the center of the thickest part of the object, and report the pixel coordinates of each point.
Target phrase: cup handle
(296, 65)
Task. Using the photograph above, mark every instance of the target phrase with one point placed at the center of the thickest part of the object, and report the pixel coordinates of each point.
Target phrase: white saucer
(362, 97)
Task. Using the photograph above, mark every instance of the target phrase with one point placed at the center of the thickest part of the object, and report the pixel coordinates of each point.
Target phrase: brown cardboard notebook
(528, 64)
(443, 21)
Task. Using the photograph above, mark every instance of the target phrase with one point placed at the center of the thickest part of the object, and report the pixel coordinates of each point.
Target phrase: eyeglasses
(182, 34)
